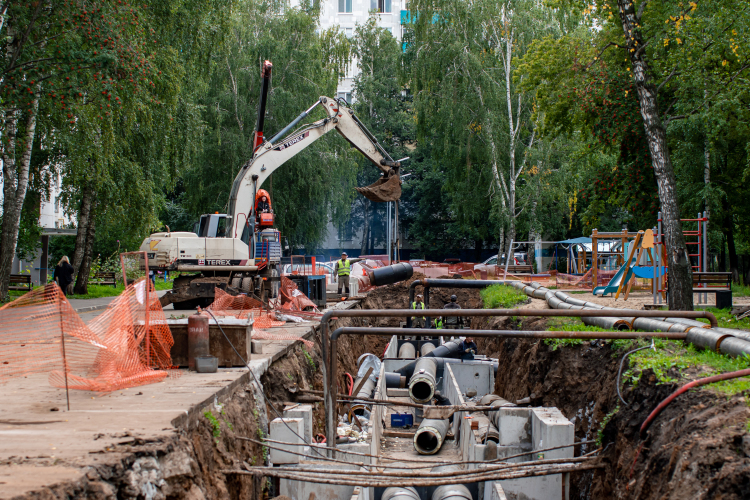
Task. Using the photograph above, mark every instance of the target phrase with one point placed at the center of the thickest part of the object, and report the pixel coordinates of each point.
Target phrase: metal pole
(507, 258)
(65, 358)
(705, 250)
(660, 249)
(148, 306)
(388, 225)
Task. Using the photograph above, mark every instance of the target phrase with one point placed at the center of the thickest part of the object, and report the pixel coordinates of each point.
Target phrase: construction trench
(556, 410)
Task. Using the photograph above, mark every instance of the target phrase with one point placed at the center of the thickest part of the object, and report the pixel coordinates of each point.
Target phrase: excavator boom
(282, 147)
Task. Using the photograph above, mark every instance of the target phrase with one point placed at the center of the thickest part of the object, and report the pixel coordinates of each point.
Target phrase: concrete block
(515, 426)
(397, 393)
(281, 430)
(550, 428)
(256, 347)
(303, 490)
(305, 412)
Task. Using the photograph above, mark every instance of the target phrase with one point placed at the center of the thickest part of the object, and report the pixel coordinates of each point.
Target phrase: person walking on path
(63, 274)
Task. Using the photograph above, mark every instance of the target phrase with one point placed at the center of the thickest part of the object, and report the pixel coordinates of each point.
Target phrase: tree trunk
(84, 213)
(82, 281)
(15, 184)
(723, 255)
(734, 264)
(680, 273)
(501, 243)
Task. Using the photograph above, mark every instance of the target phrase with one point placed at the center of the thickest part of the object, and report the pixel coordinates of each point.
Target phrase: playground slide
(625, 271)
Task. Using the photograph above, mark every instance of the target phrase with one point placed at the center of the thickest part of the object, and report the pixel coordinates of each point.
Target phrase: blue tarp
(574, 241)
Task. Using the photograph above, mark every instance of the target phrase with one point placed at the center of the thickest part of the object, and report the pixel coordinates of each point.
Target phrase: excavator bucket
(382, 190)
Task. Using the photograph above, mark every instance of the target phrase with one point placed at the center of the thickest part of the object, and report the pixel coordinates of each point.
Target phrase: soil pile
(698, 447)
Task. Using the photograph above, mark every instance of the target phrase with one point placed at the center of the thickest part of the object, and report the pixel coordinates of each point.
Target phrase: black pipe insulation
(451, 349)
(394, 380)
(408, 369)
(390, 274)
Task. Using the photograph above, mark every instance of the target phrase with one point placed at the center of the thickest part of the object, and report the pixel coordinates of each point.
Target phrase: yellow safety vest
(415, 304)
(344, 268)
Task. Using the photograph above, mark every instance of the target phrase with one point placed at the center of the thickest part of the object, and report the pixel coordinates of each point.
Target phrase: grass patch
(98, 291)
(501, 297)
(740, 290)
(726, 320)
(565, 324)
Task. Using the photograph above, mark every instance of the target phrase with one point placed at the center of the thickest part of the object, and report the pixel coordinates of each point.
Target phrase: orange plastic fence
(126, 346)
(291, 298)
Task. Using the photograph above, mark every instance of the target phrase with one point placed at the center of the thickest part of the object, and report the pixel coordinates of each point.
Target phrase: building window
(349, 32)
(347, 96)
(380, 5)
(345, 6)
(389, 30)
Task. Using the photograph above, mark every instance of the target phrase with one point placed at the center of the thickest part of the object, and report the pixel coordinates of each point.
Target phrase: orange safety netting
(126, 346)
(291, 298)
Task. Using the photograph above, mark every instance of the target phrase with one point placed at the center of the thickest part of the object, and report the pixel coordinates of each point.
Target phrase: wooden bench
(20, 282)
(520, 269)
(719, 284)
(105, 278)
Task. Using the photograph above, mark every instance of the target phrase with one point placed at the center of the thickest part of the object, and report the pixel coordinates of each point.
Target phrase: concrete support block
(284, 429)
(256, 347)
(305, 412)
(513, 426)
(550, 428)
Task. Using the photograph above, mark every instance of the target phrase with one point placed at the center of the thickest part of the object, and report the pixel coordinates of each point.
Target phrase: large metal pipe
(395, 380)
(400, 493)
(360, 407)
(430, 435)
(407, 351)
(390, 274)
(494, 401)
(422, 381)
(451, 349)
(485, 429)
(329, 344)
(426, 348)
(452, 492)
(408, 369)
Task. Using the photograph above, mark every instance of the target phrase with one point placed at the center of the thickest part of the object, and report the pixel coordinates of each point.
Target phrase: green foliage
(726, 320)
(310, 360)
(501, 297)
(215, 425)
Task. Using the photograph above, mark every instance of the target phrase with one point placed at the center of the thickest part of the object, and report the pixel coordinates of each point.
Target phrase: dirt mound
(698, 447)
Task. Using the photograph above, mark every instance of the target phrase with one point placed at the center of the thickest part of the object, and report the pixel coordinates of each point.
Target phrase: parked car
(519, 259)
(322, 268)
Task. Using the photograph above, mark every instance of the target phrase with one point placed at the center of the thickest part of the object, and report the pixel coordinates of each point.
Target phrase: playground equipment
(647, 258)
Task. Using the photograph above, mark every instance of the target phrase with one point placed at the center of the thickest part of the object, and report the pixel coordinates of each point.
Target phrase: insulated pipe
(394, 380)
(359, 407)
(408, 369)
(407, 351)
(494, 401)
(452, 492)
(485, 429)
(451, 349)
(426, 348)
(390, 274)
(329, 344)
(430, 435)
(400, 493)
(422, 382)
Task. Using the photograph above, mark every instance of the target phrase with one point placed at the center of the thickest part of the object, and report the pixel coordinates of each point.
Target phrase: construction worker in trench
(452, 322)
(468, 348)
(343, 270)
(419, 321)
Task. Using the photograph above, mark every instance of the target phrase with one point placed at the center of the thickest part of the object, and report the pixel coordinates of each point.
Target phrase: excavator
(240, 251)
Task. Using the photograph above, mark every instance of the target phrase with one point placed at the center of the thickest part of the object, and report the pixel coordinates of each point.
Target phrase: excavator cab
(264, 210)
(212, 225)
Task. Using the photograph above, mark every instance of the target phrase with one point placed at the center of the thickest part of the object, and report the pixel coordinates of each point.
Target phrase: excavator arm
(279, 149)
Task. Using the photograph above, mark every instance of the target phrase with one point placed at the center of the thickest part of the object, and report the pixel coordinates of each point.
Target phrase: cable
(258, 382)
(350, 385)
(622, 361)
(690, 385)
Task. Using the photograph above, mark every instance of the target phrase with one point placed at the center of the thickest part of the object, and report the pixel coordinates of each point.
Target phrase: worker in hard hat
(419, 321)
(452, 322)
(343, 270)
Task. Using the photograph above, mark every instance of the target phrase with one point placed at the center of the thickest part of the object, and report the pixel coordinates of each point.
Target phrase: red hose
(384, 350)
(320, 438)
(695, 383)
(350, 384)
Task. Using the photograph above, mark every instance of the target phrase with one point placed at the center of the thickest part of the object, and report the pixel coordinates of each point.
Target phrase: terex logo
(218, 263)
